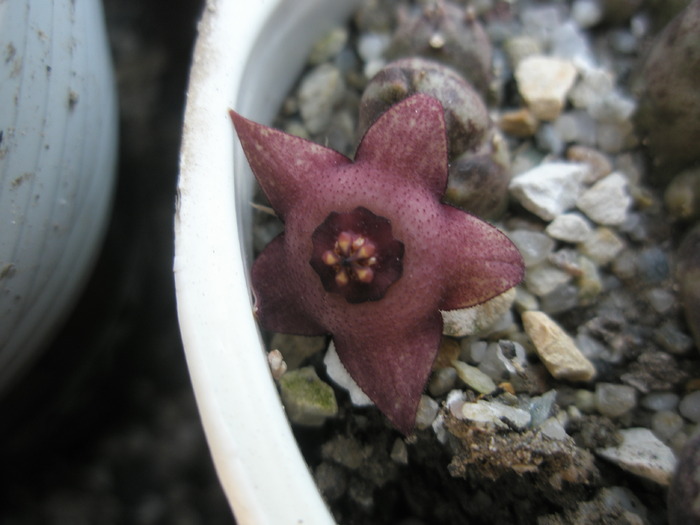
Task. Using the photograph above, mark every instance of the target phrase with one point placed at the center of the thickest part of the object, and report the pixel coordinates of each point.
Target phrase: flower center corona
(356, 255)
(352, 258)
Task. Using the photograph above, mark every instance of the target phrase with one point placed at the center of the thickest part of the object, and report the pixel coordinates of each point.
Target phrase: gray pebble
(689, 406)
(658, 401)
(321, 89)
(533, 246)
(665, 424)
(442, 381)
(614, 400)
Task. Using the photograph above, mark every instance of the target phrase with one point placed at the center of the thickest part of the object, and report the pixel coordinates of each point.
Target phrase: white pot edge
(257, 459)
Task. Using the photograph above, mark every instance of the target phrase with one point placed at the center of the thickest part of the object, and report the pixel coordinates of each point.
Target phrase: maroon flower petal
(286, 166)
(481, 264)
(409, 141)
(278, 302)
(392, 366)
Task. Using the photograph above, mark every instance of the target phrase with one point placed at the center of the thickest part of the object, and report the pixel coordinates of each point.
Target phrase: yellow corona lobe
(351, 258)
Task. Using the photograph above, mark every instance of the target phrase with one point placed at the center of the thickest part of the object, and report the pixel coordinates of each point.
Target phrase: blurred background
(104, 428)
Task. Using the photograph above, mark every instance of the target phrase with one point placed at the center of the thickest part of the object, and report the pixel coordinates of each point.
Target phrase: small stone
(544, 278)
(307, 400)
(586, 13)
(477, 319)
(473, 351)
(607, 201)
(541, 407)
(616, 137)
(672, 339)
(589, 282)
(652, 265)
(569, 227)
(525, 300)
(518, 123)
(544, 83)
(321, 89)
(598, 163)
(549, 140)
(427, 411)
(520, 47)
(660, 299)
(585, 401)
(665, 424)
(495, 414)
(602, 246)
(549, 189)
(399, 452)
(635, 513)
(576, 127)
(570, 43)
(277, 365)
(331, 480)
(340, 376)
(329, 46)
(613, 400)
(642, 454)
(682, 196)
(442, 381)
(553, 429)
(535, 247)
(474, 378)
(503, 360)
(556, 349)
(297, 348)
(658, 401)
(371, 46)
(592, 85)
(562, 299)
(689, 406)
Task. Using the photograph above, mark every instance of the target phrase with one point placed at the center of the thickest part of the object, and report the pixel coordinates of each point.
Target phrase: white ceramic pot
(247, 56)
(58, 133)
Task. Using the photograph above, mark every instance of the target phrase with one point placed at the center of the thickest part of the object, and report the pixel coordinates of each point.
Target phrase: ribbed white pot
(247, 56)
(58, 137)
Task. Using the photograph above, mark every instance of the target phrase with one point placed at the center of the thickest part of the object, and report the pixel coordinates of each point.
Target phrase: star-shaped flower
(370, 254)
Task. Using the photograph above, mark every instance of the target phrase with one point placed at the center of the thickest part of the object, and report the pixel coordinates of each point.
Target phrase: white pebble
(493, 413)
(602, 246)
(569, 227)
(544, 83)
(643, 454)
(371, 46)
(474, 378)
(607, 201)
(553, 429)
(427, 411)
(544, 278)
(549, 189)
(535, 247)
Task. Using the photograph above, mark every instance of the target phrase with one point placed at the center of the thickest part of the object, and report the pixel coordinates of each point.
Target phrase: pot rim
(261, 469)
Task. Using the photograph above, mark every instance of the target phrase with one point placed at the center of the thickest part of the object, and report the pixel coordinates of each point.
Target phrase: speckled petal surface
(284, 165)
(482, 263)
(410, 139)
